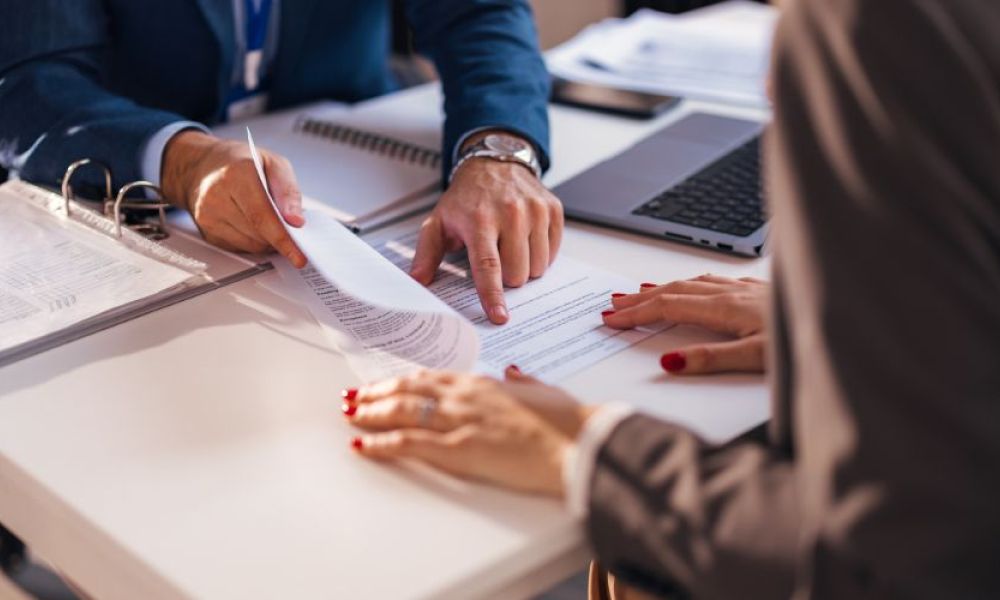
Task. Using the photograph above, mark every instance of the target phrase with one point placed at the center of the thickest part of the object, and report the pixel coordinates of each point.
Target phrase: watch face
(505, 144)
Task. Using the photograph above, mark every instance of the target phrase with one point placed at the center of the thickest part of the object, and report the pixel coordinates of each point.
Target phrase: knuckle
(488, 263)
(662, 301)
(400, 440)
(705, 356)
(513, 212)
(515, 280)
(482, 214)
(540, 209)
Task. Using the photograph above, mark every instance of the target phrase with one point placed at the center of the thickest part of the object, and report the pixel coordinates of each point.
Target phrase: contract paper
(387, 324)
(384, 320)
(555, 327)
(56, 272)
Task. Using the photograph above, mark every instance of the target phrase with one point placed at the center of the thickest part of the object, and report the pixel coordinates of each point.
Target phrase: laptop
(695, 181)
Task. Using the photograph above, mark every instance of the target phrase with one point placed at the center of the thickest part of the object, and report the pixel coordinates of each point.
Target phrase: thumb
(744, 355)
(430, 251)
(284, 189)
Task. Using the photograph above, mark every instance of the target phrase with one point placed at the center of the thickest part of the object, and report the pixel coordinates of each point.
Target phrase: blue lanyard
(258, 13)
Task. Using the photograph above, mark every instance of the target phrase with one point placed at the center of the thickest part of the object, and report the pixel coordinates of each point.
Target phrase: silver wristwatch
(502, 147)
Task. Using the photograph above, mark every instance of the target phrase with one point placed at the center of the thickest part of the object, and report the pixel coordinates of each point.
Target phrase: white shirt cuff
(578, 467)
(152, 154)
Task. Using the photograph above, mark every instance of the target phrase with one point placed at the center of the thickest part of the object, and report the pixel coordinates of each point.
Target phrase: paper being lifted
(384, 321)
(555, 327)
(387, 324)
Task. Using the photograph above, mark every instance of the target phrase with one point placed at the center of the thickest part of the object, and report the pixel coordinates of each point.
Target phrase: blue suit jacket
(98, 78)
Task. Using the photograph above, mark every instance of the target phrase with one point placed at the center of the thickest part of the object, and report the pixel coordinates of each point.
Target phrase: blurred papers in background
(720, 53)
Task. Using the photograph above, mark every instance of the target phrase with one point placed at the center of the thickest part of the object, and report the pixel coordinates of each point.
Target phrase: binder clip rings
(123, 211)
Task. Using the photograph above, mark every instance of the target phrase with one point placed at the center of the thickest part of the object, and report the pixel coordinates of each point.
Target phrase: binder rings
(68, 271)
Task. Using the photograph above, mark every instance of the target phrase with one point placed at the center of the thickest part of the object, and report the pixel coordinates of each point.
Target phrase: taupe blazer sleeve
(882, 475)
(670, 513)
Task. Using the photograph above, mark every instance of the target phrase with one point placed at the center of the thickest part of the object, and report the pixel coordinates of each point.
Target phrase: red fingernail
(357, 444)
(350, 408)
(673, 362)
(607, 313)
(349, 394)
(647, 285)
(514, 368)
(618, 295)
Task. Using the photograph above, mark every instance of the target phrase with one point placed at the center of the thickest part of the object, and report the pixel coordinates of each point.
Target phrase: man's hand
(215, 180)
(510, 224)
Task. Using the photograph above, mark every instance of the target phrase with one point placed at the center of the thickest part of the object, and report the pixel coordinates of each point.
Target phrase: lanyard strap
(258, 12)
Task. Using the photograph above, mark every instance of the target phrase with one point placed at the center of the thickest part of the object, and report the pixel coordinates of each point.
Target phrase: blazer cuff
(151, 159)
(578, 468)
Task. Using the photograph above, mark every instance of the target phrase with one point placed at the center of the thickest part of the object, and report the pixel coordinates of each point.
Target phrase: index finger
(672, 308)
(284, 189)
(484, 259)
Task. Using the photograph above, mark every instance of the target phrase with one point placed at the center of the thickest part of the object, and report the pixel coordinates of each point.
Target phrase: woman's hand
(513, 433)
(731, 306)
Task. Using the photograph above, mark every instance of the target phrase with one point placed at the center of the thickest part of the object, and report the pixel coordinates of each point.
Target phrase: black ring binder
(370, 142)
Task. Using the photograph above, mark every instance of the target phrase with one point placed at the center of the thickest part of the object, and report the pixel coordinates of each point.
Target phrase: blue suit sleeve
(486, 52)
(53, 109)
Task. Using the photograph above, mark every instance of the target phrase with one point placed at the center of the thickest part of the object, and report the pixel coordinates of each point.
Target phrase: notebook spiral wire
(370, 142)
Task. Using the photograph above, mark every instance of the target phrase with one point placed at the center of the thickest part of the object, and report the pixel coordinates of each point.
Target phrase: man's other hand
(215, 180)
(509, 223)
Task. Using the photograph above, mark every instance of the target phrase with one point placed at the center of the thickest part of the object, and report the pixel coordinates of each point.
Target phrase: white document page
(388, 324)
(555, 327)
(55, 272)
(392, 323)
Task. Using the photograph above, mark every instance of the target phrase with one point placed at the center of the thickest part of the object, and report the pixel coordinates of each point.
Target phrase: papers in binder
(67, 272)
(56, 271)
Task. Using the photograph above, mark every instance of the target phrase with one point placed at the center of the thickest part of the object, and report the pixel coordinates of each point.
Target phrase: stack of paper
(719, 53)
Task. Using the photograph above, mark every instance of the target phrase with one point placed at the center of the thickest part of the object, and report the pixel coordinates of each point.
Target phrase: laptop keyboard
(725, 196)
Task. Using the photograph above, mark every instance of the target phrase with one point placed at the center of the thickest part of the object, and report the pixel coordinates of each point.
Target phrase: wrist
(497, 147)
(561, 459)
(181, 156)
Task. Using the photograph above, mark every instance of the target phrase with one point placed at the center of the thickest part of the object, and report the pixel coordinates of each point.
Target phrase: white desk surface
(200, 451)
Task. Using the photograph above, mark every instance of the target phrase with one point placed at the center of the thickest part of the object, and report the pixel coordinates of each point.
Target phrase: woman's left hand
(513, 433)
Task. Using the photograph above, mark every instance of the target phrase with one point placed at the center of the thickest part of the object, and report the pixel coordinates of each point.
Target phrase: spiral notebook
(365, 165)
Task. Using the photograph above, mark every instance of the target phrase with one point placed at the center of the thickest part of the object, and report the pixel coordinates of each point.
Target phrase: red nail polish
(647, 285)
(350, 408)
(673, 362)
(514, 368)
(618, 295)
(349, 394)
(357, 444)
(607, 313)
